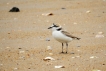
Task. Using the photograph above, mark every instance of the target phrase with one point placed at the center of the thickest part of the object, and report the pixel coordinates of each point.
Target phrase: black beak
(49, 27)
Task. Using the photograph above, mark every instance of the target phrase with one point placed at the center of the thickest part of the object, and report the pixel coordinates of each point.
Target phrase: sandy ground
(23, 35)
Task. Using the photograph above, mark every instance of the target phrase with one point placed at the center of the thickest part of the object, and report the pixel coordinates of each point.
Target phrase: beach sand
(24, 35)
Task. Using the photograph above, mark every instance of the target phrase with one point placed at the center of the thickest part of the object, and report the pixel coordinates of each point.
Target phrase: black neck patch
(59, 29)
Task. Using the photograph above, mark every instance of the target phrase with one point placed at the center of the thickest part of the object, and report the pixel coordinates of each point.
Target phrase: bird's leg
(66, 47)
(62, 48)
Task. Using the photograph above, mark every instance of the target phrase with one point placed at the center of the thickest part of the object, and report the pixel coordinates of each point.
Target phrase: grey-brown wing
(69, 35)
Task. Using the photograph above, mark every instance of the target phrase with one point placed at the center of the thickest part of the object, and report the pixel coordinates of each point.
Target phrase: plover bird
(62, 36)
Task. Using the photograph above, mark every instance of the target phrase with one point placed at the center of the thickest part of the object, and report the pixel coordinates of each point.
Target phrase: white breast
(59, 36)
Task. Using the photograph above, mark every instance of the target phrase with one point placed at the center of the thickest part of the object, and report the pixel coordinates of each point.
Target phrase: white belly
(61, 37)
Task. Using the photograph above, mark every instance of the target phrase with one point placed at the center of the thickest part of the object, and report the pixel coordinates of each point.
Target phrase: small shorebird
(62, 36)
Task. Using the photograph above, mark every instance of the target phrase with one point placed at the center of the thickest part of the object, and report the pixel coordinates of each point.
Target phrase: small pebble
(7, 47)
(50, 53)
(92, 57)
(100, 32)
(47, 39)
(99, 36)
(78, 45)
(75, 23)
(15, 68)
(50, 14)
(29, 68)
(21, 51)
(72, 57)
(49, 48)
(88, 11)
(19, 48)
(72, 53)
(63, 8)
(8, 33)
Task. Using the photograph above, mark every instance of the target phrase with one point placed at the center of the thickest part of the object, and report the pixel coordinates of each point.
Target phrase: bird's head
(54, 27)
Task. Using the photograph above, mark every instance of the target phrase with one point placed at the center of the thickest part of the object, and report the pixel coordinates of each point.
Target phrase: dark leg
(66, 47)
(62, 48)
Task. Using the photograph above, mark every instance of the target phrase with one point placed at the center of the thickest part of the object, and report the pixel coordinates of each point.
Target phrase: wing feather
(69, 35)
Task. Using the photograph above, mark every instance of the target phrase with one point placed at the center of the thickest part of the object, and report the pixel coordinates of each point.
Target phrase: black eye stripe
(59, 29)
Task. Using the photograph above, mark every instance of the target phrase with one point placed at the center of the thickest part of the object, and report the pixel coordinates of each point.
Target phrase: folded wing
(68, 34)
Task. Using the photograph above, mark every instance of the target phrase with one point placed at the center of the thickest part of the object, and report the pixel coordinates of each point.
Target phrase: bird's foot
(63, 52)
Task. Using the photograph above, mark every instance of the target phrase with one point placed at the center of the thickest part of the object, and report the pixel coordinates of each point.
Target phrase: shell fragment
(59, 66)
(48, 58)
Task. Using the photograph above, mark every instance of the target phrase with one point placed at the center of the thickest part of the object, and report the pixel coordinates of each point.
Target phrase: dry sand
(23, 35)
